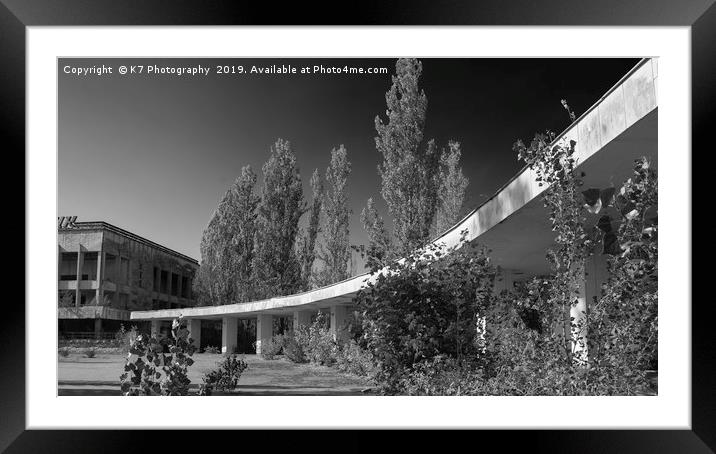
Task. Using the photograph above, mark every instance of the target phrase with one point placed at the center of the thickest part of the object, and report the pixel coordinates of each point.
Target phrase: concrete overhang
(618, 129)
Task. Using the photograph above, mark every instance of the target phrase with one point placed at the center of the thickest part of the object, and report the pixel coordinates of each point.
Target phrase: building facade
(105, 273)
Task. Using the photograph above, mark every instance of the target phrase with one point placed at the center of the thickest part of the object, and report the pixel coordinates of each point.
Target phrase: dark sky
(154, 154)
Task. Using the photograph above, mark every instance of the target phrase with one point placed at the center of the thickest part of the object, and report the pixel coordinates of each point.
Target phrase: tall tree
(335, 252)
(379, 248)
(409, 167)
(452, 185)
(242, 225)
(307, 243)
(227, 248)
(277, 268)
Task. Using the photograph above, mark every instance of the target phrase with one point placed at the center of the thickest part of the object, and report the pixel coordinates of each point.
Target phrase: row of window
(162, 281)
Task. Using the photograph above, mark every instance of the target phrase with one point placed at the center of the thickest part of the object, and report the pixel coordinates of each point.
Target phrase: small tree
(151, 371)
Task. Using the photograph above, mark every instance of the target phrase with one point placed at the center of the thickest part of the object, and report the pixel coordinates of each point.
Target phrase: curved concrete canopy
(619, 128)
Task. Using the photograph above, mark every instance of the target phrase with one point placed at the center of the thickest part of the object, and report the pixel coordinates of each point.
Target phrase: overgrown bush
(353, 359)
(123, 339)
(212, 349)
(425, 306)
(151, 371)
(64, 352)
(529, 340)
(294, 346)
(321, 349)
(90, 353)
(224, 378)
(273, 347)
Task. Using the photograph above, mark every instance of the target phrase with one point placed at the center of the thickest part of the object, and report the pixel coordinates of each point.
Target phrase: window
(156, 279)
(68, 266)
(175, 284)
(184, 287)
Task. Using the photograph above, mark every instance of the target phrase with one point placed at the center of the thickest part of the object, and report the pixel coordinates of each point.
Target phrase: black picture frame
(699, 15)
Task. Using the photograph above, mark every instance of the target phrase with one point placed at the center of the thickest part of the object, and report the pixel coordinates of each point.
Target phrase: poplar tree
(242, 225)
(277, 269)
(378, 252)
(225, 275)
(335, 252)
(409, 167)
(451, 193)
(307, 244)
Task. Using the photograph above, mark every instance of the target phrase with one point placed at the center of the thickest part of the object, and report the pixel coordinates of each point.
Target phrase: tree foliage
(378, 253)
(307, 242)
(278, 270)
(425, 306)
(227, 246)
(335, 252)
(150, 371)
(409, 166)
(451, 192)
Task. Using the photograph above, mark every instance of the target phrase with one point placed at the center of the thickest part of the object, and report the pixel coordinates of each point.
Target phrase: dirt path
(79, 376)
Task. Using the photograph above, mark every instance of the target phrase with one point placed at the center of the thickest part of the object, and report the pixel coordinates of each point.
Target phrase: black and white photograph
(405, 226)
(417, 216)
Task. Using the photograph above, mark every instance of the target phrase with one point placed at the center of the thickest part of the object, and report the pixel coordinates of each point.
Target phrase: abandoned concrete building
(105, 272)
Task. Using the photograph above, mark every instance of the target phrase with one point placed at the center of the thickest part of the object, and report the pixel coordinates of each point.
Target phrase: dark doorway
(210, 334)
(246, 342)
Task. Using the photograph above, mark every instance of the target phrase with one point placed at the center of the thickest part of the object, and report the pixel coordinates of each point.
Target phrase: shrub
(212, 349)
(224, 378)
(90, 353)
(294, 346)
(354, 360)
(64, 352)
(151, 371)
(123, 339)
(424, 307)
(322, 349)
(272, 347)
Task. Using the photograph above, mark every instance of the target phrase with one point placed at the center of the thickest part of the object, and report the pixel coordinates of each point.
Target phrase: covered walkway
(618, 129)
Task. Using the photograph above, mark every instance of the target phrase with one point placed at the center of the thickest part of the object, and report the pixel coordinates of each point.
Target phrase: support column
(229, 334)
(301, 318)
(155, 328)
(264, 330)
(339, 315)
(97, 328)
(99, 297)
(589, 291)
(194, 326)
(80, 262)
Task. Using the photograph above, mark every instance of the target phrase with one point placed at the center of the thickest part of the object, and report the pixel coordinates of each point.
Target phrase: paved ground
(99, 376)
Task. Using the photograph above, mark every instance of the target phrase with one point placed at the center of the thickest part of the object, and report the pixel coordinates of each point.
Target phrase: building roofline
(101, 225)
